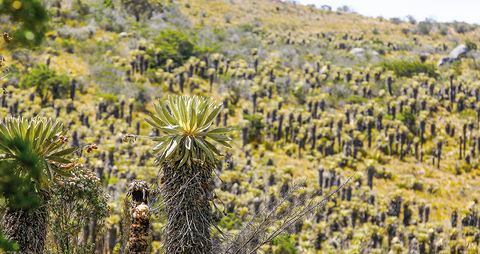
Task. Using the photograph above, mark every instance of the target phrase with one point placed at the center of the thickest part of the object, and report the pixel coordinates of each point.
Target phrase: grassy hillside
(313, 95)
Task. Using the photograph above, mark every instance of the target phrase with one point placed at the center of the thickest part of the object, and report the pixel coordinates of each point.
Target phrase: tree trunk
(187, 194)
(26, 227)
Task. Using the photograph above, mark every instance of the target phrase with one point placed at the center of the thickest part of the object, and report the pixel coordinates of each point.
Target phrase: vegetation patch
(410, 68)
(47, 82)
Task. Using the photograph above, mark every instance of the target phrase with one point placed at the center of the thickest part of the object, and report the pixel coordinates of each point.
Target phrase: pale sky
(440, 10)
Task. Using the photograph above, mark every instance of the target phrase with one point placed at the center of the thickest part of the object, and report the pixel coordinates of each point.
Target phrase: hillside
(314, 96)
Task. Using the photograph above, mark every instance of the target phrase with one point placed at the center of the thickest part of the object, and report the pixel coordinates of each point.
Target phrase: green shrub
(456, 68)
(425, 27)
(111, 98)
(141, 9)
(246, 27)
(174, 45)
(468, 114)
(356, 99)
(300, 94)
(77, 201)
(285, 244)
(256, 126)
(471, 45)
(409, 119)
(409, 68)
(47, 82)
(179, 46)
(463, 27)
(230, 221)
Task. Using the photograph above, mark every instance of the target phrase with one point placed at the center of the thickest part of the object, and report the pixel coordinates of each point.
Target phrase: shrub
(409, 119)
(471, 45)
(141, 9)
(178, 46)
(396, 20)
(300, 93)
(355, 99)
(457, 67)
(78, 201)
(256, 126)
(411, 20)
(246, 28)
(110, 98)
(230, 221)
(47, 82)
(425, 27)
(409, 68)
(463, 27)
(285, 244)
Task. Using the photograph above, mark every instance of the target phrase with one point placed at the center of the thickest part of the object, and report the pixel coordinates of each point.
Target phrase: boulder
(456, 54)
(363, 53)
(358, 52)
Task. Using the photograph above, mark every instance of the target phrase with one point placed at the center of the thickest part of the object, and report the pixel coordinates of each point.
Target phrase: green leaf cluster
(35, 149)
(188, 133)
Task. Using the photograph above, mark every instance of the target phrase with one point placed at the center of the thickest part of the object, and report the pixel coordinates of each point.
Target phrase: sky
(440, 10)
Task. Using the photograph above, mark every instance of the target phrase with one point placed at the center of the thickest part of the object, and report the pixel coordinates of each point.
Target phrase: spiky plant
(187, 155)
(34, 150)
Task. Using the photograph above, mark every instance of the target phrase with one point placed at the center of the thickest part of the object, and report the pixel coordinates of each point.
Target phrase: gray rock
(79, 33)
(358, 52)
(362, 53)
(456, 54)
